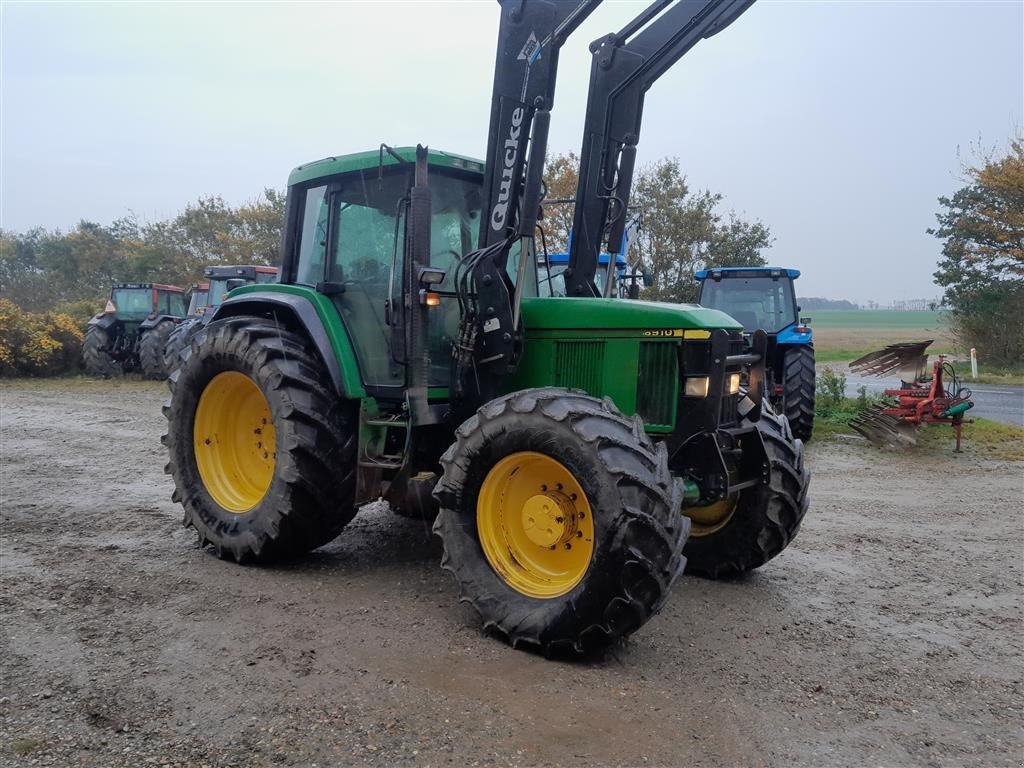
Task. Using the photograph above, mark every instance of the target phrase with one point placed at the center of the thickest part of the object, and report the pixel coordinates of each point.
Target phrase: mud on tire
(638, 530)
(151, 350)
(766, 518)
(98, 361)
(311, 492)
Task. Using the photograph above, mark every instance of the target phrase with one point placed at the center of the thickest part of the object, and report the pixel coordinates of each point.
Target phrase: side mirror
(634, 290)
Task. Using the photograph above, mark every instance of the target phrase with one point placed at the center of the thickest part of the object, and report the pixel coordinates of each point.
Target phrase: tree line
(982, 263)
(681, 229)
(42, 270)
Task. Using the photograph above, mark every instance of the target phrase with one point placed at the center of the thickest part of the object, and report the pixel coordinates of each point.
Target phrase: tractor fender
(789, 337)
(153, 322)
(103, 320)
(296, 312)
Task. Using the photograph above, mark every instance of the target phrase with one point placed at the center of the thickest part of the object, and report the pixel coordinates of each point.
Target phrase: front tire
(798, 390)
(96, 356)
(745, 531)
(262, 451)
(151, 350)
(560, 520)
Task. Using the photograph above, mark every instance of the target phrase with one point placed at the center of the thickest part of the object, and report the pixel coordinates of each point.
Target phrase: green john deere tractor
(566, 447)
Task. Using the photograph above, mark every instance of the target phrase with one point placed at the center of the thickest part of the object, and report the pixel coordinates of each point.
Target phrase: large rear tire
(560, 520)
(798, 390)
(180, 338)
(747, 530)
(97, 359)
(151, 350)
(262, 451)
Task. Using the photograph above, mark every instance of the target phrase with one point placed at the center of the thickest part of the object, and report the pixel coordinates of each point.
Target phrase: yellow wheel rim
(535, 525)
(235, 442)
(713, 517)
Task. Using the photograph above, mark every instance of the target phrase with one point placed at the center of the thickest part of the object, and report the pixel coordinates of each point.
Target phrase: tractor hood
(573, 313)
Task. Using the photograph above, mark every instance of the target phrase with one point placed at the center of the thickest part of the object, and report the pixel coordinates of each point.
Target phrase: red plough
(919, 400)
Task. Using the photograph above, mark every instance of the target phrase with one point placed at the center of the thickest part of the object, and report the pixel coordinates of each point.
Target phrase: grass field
(843, 335)
(875, 318)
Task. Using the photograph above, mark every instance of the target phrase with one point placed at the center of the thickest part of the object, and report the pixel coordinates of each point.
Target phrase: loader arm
(530, 35)
(624, 67)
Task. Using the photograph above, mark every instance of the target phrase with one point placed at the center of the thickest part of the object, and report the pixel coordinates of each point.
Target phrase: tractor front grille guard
(718, 445)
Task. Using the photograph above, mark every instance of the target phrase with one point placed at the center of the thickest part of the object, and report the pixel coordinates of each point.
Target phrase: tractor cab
(552, 272)
(757, 297)
(197, 301)
(130, 331)
(223, 279)
(134, 302)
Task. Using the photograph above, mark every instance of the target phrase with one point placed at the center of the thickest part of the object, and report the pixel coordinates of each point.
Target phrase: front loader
(561, 444)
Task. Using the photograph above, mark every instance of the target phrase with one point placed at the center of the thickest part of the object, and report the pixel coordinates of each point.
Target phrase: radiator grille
(657, 385)
(578, 365)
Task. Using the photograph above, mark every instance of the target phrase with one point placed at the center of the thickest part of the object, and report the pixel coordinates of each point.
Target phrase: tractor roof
(563, 258)
(150, 286)
(720, 272)
(239, 270)
(361, 161)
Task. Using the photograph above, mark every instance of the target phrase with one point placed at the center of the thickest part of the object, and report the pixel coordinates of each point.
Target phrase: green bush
(831, 391)
(37, 344)
(82, 310)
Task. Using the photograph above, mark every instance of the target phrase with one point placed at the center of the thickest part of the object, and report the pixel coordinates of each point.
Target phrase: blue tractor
(627, 279)
(764, 298)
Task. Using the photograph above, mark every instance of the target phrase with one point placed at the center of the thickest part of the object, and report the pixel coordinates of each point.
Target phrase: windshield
(754, 302)
(218, 289)
(133, 302)
(198, 300)
(170, 303)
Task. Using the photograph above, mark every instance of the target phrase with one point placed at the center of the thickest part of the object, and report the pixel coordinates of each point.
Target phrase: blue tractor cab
(627, 279)
(764, 298)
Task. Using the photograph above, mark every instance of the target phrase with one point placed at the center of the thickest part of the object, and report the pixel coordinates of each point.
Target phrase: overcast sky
(835, 123)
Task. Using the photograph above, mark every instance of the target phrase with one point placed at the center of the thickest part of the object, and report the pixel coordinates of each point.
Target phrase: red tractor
(130, 333)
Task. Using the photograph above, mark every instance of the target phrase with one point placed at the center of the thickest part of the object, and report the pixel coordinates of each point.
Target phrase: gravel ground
(890, 633)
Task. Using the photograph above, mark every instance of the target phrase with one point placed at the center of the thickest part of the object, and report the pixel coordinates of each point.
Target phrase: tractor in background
(130, 332)
(221, 281)
(198, 299)
(763, 298)
(628, 278)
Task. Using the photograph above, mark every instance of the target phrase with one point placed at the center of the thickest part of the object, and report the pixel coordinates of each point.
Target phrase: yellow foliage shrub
(34, 344)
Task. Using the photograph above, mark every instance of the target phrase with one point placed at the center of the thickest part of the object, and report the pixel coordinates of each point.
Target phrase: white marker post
(974, 363)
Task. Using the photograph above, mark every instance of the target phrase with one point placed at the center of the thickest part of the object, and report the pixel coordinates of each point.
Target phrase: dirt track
(890, 633)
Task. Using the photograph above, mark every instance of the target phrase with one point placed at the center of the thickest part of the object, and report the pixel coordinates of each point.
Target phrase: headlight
(732, 384)
(696, 386)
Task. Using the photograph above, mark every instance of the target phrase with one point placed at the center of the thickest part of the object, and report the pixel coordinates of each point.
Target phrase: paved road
(999, 402)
